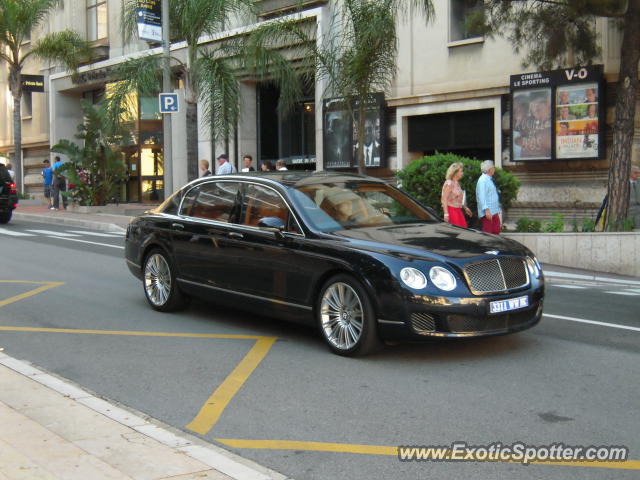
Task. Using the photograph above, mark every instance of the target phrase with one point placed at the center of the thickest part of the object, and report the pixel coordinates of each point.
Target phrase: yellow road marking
(44, 286)
(210, 413)
(131, 333)
(310, 446)
(393, 451)
(213, 408)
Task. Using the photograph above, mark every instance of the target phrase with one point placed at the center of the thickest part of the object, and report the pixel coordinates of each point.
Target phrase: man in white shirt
(281, 165)
(225, 167)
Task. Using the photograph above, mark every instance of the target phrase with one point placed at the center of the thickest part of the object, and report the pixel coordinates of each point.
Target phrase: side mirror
(273, 224)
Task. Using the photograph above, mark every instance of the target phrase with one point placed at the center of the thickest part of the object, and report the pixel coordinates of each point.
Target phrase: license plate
(500, 306)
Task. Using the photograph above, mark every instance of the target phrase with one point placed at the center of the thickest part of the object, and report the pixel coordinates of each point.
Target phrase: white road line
(13, 233)
(634, 290)
(568, 286)
(96, 234)
(87, 241)
(52, 233)
(632, 294)
(593, 322)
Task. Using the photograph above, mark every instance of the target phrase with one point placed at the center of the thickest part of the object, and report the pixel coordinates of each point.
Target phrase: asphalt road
(86, 319)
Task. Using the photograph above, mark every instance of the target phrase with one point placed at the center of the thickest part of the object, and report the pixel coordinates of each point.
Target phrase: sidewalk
(53, 430)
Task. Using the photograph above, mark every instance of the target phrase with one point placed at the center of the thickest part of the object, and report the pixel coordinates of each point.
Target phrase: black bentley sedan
(351, 254)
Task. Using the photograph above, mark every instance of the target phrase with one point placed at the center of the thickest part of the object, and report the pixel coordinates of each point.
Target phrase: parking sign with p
(168, 102)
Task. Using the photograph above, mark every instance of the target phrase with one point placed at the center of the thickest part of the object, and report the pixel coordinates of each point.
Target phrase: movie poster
(577, 125)
(341, 133)
(337, 135)
(532, 124)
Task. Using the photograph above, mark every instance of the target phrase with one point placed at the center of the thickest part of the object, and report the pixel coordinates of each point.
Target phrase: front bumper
(429, 316)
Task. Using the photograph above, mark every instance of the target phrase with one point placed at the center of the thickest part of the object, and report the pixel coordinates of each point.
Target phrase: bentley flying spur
(354, 256)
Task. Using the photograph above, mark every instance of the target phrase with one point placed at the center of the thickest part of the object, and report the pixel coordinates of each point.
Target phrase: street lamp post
(166, 87)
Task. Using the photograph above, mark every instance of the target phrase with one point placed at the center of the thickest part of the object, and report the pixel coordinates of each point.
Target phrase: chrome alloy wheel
(342, 316)
(157, 279)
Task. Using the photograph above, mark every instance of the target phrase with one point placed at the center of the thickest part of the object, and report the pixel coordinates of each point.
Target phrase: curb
(73, 222)
(228, 463)
(550, 274)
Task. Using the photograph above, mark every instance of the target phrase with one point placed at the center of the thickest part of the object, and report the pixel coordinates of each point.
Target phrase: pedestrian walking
(488, 199)
(225, 167)
(11, 172)
(47, 181)
(59, 185)
(634, 196)
(204, 168)
(452, 198)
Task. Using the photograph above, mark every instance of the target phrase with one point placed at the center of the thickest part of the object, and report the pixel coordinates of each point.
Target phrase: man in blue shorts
(47, 180)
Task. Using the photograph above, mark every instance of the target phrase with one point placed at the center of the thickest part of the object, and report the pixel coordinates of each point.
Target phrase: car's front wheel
(159, 280)
(346, 317)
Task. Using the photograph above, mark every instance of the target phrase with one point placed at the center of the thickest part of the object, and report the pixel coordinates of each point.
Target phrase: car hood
(423, 239)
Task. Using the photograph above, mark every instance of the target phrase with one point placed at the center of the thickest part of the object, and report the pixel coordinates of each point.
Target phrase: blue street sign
(168, 102)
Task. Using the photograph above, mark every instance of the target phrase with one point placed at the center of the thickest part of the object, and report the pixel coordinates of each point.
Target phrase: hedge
(423, 178)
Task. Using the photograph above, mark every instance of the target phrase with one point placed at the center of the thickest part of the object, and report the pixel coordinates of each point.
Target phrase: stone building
(454, 91)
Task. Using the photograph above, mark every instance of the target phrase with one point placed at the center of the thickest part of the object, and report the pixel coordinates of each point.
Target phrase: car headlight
(534, 267)
(413, 278)
(442, 278)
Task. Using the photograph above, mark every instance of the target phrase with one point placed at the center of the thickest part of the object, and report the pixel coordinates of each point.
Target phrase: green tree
(561, 33)
(96, 168)
(208, 72)
(18, 18)
(356, 57)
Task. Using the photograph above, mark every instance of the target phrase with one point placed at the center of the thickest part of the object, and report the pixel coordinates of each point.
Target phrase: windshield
(338, 206)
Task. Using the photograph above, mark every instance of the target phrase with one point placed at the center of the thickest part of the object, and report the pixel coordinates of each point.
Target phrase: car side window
(187, 203)
(260, 202)
(215, 201)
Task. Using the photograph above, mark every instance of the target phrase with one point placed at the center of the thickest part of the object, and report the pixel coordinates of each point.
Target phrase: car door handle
(234, 235)
(177, 226)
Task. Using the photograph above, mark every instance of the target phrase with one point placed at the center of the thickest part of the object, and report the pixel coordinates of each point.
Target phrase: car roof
(296, 178)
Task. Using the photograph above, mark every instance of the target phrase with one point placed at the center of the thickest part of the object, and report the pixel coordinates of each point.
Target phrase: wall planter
(612, 252)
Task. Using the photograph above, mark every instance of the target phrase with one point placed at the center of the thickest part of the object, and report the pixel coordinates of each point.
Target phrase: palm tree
(17, 19)
(208, 74)
(356, 59)
(97, 167)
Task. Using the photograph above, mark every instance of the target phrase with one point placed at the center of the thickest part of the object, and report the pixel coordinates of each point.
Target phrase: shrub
(423, 178)
(556, 225)
(528, 226)
(588, 225)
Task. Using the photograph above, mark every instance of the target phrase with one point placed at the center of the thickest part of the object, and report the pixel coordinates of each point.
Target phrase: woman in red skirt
(453, 196)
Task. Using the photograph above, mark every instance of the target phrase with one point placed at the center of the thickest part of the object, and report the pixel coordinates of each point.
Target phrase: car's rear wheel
(159, 280)
(346, 317)
(5, 216)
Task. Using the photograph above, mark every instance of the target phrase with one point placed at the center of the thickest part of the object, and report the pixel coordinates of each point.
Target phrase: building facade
(454, 91)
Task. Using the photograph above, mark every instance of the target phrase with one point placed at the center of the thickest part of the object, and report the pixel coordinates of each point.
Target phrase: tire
(346, 317)
(159, 283)
(5, 216)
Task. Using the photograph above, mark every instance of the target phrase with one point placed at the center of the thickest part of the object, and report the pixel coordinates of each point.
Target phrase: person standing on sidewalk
(47, 180)
(59, 185)
(634, 196)
(488, 200)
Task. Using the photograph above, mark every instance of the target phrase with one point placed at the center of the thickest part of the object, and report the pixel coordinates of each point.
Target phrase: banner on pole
(149, 17)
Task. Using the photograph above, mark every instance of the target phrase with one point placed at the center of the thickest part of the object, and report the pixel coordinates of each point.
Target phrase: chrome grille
(423, 322)
(497, 275)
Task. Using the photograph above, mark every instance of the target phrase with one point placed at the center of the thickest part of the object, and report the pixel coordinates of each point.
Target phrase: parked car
(356, 257)
(8, 195)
